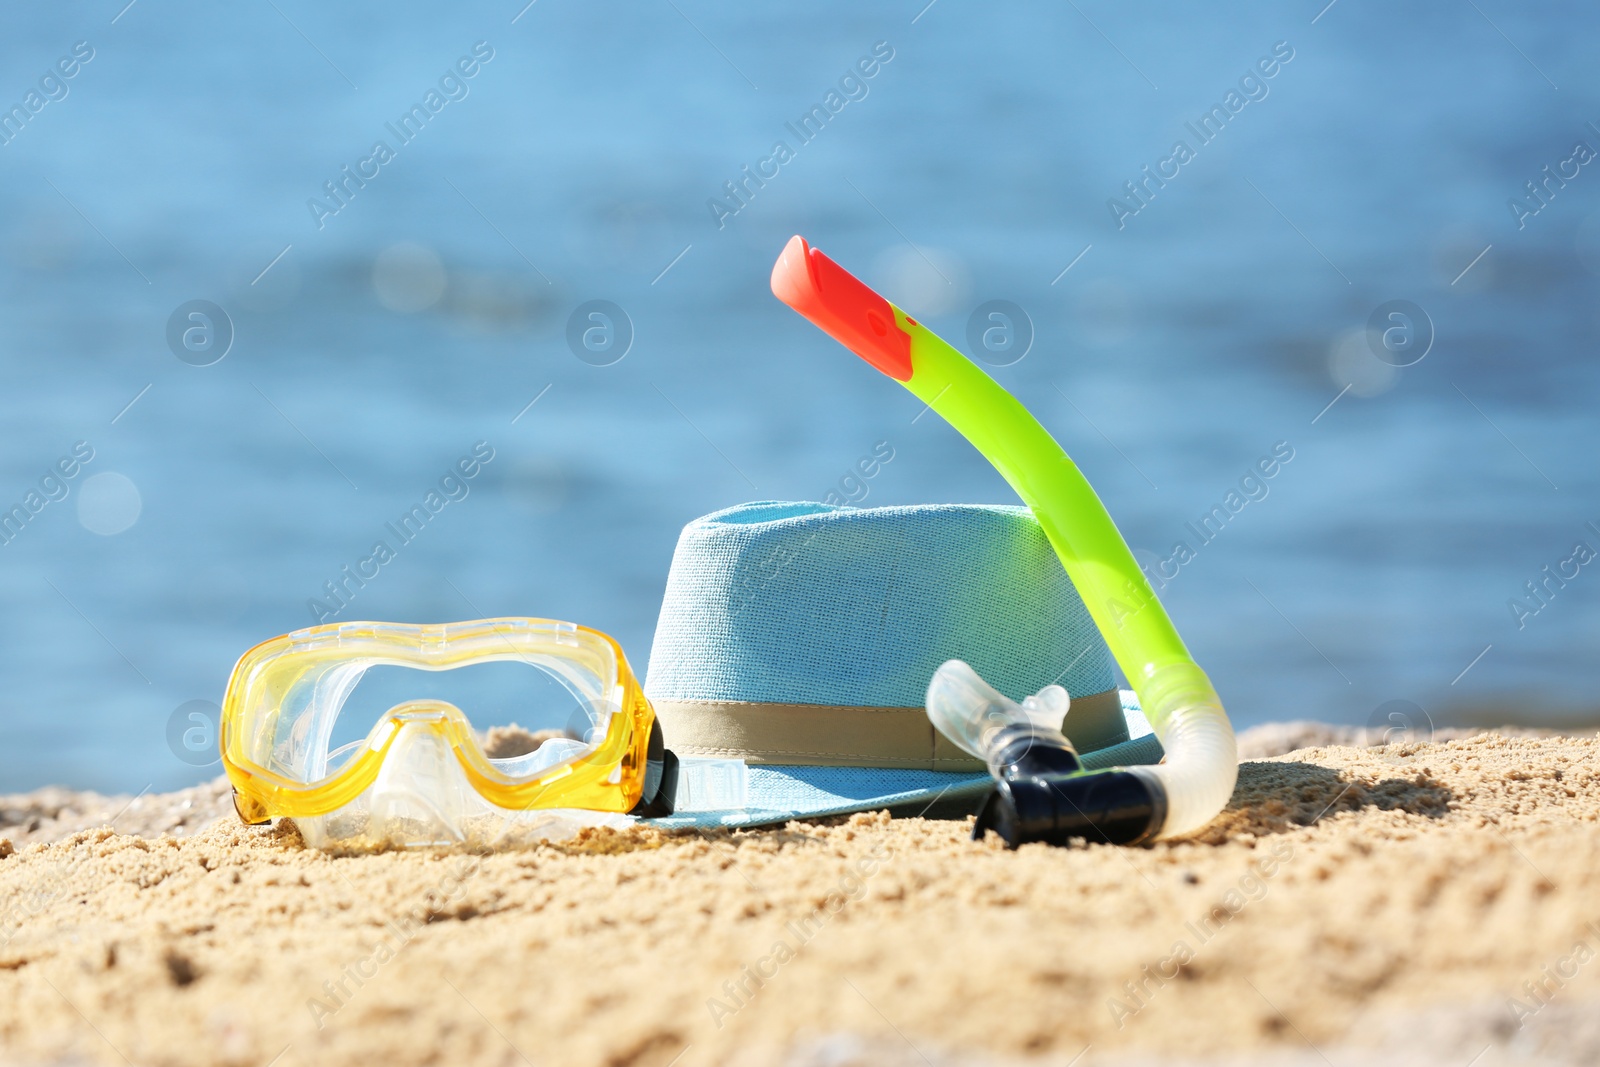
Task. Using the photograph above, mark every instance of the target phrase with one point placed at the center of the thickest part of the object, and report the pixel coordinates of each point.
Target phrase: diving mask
(425, 773)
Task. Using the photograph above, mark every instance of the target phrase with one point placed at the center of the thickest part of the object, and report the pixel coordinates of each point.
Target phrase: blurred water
(427, 313)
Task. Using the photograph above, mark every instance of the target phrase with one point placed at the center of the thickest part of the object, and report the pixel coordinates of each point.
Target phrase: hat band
(830, 735)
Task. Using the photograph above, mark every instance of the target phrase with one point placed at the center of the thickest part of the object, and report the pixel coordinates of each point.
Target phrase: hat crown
(804, 603)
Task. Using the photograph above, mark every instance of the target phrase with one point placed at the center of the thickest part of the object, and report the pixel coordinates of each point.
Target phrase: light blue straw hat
(799, 638)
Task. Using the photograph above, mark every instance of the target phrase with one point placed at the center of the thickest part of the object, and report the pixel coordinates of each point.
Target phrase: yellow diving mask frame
(422, 775)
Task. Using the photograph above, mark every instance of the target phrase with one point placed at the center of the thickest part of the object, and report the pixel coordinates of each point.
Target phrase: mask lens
(516, 708)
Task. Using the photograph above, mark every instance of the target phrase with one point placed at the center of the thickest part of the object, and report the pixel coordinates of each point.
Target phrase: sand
(1395, 904)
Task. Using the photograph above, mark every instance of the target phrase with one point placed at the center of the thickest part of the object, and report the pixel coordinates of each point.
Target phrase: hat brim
(781, 793)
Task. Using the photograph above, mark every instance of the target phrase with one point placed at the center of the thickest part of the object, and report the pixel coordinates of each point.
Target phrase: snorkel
(1041, 794)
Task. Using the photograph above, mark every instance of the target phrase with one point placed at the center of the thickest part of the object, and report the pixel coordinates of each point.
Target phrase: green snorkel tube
(1041, 794)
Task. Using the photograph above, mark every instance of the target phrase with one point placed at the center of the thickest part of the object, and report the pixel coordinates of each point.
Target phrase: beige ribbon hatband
(830, 735)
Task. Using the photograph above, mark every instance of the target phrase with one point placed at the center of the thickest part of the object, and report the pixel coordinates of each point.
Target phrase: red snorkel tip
(846, 310)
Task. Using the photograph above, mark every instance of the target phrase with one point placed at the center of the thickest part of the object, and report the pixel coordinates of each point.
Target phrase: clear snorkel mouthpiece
(1041, 792)
(986, 723)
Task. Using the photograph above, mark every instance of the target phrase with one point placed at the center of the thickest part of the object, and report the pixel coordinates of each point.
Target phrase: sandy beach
(1426, 903)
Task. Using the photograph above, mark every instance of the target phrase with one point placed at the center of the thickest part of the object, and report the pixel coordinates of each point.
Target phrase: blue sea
(368, 319)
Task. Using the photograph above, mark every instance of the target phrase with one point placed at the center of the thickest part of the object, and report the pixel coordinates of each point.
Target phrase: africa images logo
(852, 85)
(453, 486)
(52, 88)
(1252, 88)
(452, 87)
